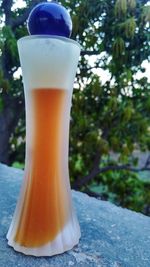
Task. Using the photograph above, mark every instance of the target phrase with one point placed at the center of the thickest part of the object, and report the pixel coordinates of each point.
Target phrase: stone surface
(111, 236)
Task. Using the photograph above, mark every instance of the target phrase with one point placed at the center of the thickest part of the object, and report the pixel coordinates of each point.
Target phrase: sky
(105, 75)
(19, 3)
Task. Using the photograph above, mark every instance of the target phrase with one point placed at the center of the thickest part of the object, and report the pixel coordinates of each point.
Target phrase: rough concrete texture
(111, 236)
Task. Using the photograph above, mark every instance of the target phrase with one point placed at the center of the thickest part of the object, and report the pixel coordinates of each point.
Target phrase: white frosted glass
(58, 57)
(44, 222)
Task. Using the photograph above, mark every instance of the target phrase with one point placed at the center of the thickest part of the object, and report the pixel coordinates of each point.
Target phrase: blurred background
(110, 117)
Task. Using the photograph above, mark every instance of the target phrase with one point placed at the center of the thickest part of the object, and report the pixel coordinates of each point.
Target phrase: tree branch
(123, 167)
(6, 6)
(147, 161)
(96, 170)
(89, 53)
(90, 68)
(22, 19)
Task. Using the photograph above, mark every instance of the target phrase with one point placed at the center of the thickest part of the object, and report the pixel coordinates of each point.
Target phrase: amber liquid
(44, 212)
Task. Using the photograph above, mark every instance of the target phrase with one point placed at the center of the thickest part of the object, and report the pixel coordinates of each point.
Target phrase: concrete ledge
(111, 236)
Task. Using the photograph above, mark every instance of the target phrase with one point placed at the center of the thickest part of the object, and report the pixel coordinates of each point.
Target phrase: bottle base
(65, 240)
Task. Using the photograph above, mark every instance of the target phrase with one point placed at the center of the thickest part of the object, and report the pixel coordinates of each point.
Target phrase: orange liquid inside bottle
(45, 211)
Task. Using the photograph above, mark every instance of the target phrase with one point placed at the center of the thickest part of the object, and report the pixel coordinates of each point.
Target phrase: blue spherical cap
(49, 18)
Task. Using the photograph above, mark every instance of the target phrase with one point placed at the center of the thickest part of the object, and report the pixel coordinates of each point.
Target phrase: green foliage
(18, 165)
(118, 47)
(125, 189)
(1, 105)
(120, 8)
(130, 27)
(105, 117)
